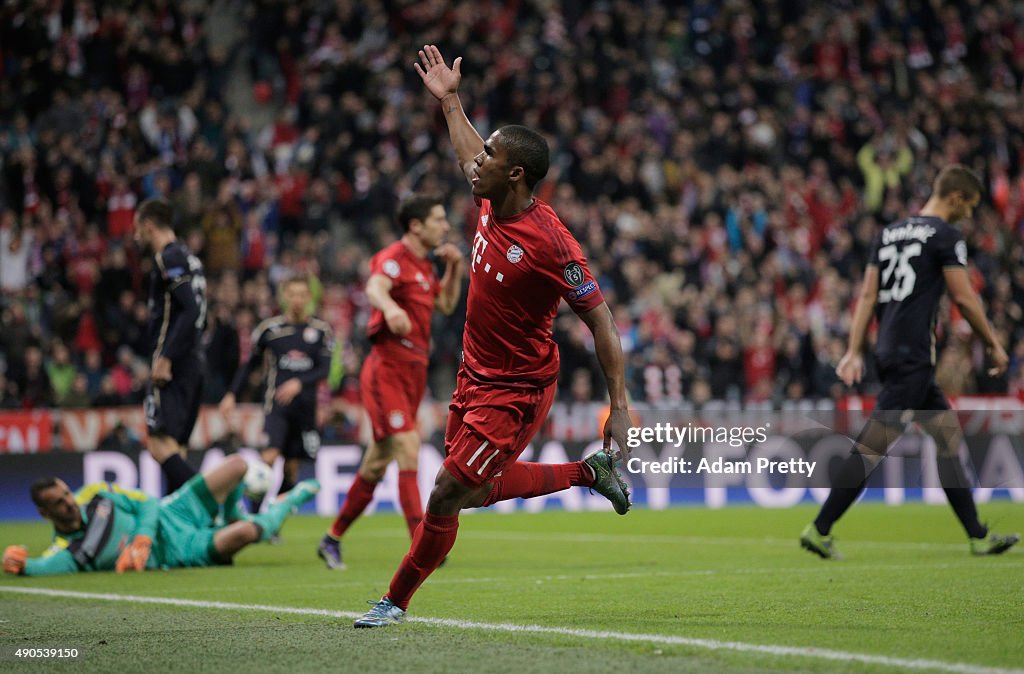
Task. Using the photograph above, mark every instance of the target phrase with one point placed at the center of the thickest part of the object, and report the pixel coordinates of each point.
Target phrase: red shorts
(489, 426)
(391, 391)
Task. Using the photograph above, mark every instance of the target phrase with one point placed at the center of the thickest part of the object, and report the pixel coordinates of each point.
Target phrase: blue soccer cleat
(382, 614)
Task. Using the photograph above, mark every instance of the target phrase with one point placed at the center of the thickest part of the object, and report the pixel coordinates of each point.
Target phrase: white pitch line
(701, 644)
(661, 539)
(340, 580)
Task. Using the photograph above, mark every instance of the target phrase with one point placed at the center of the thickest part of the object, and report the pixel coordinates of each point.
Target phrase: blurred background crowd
(724, 164)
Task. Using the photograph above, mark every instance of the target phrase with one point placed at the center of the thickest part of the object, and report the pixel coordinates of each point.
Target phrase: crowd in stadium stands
(724, 164)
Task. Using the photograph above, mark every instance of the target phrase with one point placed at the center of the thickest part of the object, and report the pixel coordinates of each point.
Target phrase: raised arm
(443, 83)
(451, 282)
(609, 356)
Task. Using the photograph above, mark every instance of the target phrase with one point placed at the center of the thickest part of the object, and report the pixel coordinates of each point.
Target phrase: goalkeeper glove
(14, 559)
(135, 555)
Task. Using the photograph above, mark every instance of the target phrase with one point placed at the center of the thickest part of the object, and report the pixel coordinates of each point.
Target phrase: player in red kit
(403, 291)
(524, 262)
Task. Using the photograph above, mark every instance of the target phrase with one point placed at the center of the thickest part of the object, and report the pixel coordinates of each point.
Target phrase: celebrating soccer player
(177, 317)
(523, 263)
(403, 291)
(912, 261)
(297, 348)
(105, 527)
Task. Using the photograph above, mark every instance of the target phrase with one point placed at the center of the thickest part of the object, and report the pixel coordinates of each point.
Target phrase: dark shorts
(171, 410)
(292, 429)
(391, 393)
(908, 388)
(489, 426)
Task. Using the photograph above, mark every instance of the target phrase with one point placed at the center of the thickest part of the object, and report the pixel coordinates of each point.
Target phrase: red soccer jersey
(520, 269)
(414, 287)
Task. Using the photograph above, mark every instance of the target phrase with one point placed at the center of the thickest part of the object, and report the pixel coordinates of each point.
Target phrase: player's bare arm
(451, 282)
(378, 291)
(609, 356)
(851, 366)
(960, 290)
(443, 83)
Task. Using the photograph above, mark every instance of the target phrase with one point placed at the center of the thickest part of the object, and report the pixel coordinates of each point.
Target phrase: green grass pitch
(692, 581)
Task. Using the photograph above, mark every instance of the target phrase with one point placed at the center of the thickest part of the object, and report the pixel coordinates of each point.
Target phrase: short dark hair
(528, 149)
(417, 207)
(39, 486)
(958, 178)
(298, 278)
(158, 210)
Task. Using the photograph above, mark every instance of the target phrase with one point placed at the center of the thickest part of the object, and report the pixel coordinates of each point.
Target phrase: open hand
(439, 79)
(135, 556)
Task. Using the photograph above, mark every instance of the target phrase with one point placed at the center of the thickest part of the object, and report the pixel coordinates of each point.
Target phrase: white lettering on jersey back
(919, 232)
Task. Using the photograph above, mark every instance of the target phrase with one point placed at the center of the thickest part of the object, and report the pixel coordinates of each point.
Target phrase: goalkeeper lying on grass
(104, 527)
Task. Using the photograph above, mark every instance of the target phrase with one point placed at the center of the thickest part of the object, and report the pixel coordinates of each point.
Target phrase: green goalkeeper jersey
(111, 517)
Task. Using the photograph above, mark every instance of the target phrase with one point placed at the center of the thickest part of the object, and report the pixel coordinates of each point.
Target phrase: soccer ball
(257, 479)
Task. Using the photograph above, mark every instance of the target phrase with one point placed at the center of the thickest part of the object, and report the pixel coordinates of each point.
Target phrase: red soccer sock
(359, 496)
(409, 497)
(526, 480)
(430, 545)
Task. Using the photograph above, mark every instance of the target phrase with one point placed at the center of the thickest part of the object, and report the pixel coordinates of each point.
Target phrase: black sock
(257, 503)
(958, 492)
(176, 471)
(852, 476)
(848, 483)
(838, 502)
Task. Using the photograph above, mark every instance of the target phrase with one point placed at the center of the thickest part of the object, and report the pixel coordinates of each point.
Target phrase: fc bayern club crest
(310, 335)
(514, 254)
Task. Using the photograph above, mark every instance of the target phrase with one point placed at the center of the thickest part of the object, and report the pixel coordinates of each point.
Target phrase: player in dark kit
(177, 317)
(912, 261)
(403, 291)
(297, 349)
(524, 262)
